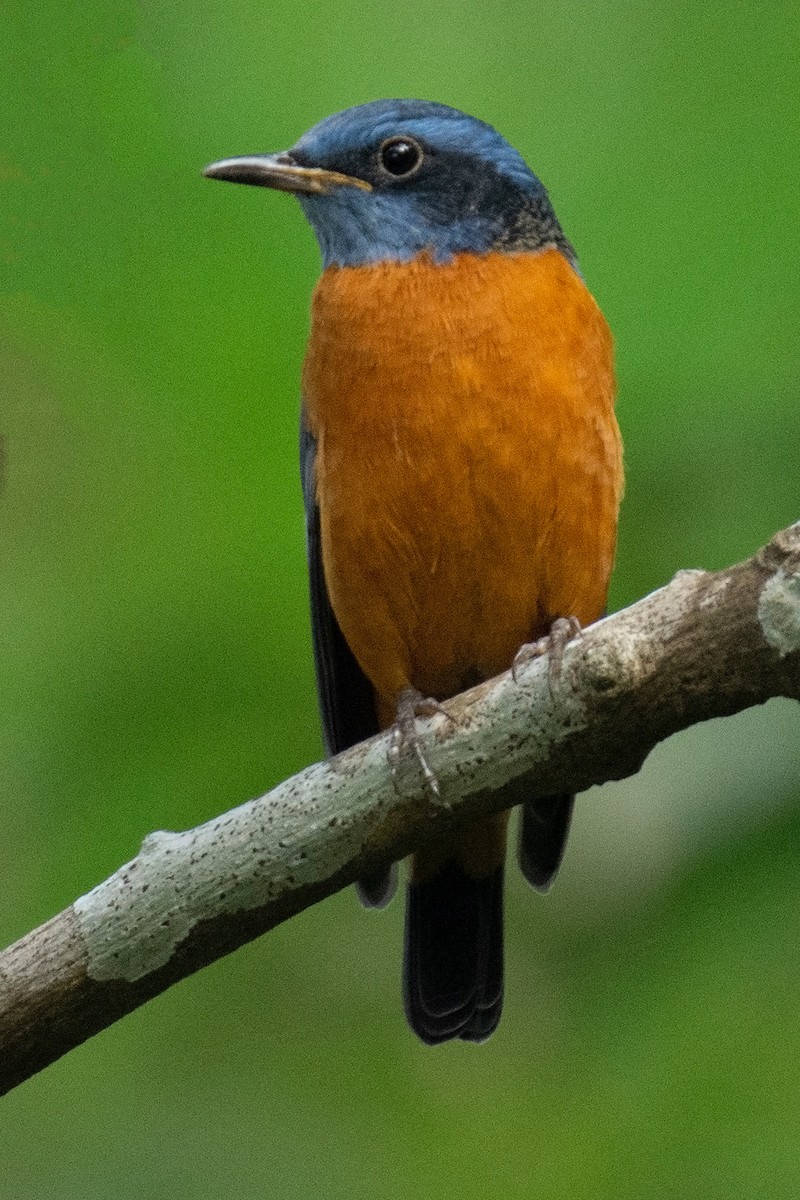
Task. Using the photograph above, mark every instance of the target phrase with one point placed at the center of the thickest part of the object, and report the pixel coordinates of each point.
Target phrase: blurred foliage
(155, 656)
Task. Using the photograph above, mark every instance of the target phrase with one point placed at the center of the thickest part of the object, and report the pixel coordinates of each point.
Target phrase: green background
(155, 664)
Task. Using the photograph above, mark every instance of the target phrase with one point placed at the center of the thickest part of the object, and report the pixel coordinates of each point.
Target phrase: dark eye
(400, 156)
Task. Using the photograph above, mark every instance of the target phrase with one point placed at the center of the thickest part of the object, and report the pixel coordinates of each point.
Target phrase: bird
(461, 467)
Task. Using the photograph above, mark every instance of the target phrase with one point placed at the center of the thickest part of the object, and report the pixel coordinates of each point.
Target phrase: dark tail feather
(376, 890)
(453, 970)
(545, 826)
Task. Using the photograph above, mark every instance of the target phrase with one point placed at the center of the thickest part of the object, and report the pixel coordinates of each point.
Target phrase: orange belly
(468, 461)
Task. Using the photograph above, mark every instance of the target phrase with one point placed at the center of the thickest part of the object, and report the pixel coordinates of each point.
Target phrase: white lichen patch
(132, 923)
(779, 612)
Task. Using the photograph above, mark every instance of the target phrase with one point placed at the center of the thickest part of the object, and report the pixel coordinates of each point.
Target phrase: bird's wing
(346, 698)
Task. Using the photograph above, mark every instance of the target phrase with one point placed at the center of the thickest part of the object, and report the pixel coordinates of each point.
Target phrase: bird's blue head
(393, 179)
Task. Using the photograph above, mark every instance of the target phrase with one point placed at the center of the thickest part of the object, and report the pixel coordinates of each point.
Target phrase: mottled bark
(707, 645)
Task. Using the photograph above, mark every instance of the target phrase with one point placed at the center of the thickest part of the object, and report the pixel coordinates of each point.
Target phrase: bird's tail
(453, 969)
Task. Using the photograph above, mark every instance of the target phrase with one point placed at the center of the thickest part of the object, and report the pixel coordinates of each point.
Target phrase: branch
(707, 645)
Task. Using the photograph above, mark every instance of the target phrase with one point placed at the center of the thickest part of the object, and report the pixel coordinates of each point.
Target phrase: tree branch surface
(706, 645)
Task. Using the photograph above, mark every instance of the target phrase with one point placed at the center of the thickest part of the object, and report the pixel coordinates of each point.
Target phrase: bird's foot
(412, 705)
(562, 631)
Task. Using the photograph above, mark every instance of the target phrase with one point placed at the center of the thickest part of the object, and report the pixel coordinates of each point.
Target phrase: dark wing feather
(346, 698)
(543, 836)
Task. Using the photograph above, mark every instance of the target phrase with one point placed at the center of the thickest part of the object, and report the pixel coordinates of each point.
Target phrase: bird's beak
(281, 172)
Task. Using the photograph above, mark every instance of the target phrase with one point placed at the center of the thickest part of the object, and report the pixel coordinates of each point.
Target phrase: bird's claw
(562, 631)
(410, 706)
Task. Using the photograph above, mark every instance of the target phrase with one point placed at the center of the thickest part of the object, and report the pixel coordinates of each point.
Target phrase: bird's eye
(400, 156)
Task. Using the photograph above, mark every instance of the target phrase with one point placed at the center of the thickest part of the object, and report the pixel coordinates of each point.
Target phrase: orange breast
(469, 463)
